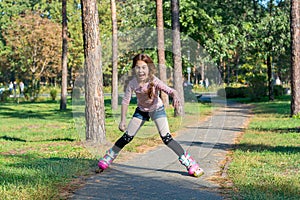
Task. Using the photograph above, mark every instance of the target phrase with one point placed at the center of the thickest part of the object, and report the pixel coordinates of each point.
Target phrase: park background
(249, 42)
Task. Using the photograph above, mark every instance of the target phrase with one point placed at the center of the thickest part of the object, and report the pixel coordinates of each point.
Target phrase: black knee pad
(125, 139)
(167, 139)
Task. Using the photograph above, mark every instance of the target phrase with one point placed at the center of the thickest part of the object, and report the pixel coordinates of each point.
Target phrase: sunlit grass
(41, 152)
(266, 162)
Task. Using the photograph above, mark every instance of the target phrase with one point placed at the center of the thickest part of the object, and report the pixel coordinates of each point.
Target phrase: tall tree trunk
(94, 108)
(269, 60)
(270, 79)
(176, 48)
(295, 57)
(161, 48)
(63, 99)
(114, 88)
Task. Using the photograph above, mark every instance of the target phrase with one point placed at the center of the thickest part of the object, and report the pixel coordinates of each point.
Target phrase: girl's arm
(122, 125)
(170, 91)
(124, 107)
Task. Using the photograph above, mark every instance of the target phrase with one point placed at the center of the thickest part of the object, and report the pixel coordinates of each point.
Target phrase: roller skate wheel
(193, 169)
(199, 172)
(102, 165)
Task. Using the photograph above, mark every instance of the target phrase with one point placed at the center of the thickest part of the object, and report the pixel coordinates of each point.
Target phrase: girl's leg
(184, 157)
(133, 127)
(164, 131)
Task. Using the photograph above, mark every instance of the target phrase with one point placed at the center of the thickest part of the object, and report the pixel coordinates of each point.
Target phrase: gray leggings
(162, 126)
(135, 124)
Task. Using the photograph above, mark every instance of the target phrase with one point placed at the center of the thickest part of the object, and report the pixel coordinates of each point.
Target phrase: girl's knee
(167, 138)
(124, 140)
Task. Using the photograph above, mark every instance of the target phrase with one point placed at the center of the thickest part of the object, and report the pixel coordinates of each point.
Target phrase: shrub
(278, 90)
(233, 92)
(257, 86)
(53, 94)
(4, 95)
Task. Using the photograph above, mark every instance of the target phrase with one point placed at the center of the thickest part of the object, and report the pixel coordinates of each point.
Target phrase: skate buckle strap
(109, 156)
(186, 159)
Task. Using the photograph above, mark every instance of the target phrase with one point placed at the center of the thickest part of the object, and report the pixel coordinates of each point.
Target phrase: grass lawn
(266, 162)
(41, 153)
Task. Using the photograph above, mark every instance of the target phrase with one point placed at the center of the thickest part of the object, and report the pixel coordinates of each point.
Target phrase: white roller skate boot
(191, 165)
(107, 159)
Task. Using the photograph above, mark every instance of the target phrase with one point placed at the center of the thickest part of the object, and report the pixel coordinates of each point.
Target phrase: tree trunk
(114, 87)
(270, 79)
(94, 109)
(63, 99)
(161, 48)
(176, 48)
(295, 57)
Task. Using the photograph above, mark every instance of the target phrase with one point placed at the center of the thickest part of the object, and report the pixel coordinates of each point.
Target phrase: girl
(149, 105)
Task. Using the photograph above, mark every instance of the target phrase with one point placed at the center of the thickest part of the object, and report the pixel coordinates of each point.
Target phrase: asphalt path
(157, 174)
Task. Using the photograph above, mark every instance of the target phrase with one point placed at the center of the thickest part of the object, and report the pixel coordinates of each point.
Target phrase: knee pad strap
(125, 139)
(167, 138)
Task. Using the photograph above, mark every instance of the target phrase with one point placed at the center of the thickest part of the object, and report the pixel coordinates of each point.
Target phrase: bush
(4, 95)
(278, 90)
(257, 86)
(53, 94)
(233, 92)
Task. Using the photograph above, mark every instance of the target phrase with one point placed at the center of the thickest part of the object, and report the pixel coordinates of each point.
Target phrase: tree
(176, 49)
(64, 74)
(161, 48)
(114, 86)
(94, 109)
(295, 57)
(33, 53)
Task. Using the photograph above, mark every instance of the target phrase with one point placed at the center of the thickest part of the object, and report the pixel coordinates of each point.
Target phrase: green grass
(266, 162)
(41, 155)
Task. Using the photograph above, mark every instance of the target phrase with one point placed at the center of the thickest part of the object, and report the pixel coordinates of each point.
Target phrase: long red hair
(152, 70)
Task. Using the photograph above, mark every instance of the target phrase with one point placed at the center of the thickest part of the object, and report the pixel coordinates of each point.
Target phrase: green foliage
(234, 33)
(5, 95)
(234, 92)
(257, 86)
(53, 94)
(278, 90)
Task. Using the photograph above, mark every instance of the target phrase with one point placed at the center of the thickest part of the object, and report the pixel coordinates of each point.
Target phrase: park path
(158, 174)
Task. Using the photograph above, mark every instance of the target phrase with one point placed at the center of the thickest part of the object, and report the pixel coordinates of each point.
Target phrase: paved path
(158, 174)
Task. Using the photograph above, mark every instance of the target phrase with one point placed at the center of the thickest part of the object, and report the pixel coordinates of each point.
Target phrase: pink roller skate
(191, 165)
(107, 159)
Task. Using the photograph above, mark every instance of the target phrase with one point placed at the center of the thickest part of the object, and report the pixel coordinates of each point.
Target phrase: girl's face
(141, 71)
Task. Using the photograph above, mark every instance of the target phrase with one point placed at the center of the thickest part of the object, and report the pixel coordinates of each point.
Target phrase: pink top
(143, 101)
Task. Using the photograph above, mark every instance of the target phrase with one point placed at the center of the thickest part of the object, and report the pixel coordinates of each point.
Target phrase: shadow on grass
(279, 130)
(54, 170)
(36, 113)
(280, 107)
(260, 148)
(8, 138)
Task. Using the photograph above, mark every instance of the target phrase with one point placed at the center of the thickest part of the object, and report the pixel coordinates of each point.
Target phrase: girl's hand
(122, 126)
(176, 101)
